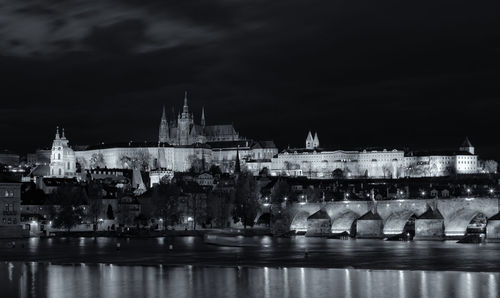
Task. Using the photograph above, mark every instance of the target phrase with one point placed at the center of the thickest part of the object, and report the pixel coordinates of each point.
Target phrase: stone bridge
(457, 213)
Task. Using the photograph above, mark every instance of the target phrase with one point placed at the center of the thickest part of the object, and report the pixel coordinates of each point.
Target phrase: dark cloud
(365, 73)
(121, 37)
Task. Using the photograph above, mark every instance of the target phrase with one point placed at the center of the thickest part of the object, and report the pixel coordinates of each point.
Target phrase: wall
(369, 229)
(427, 229)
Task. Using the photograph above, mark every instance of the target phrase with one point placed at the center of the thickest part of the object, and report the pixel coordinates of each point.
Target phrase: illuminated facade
(315, 162)
(62, 158)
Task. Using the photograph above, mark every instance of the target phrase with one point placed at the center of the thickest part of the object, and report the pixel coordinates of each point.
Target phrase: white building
(62, 158)
(315, 162)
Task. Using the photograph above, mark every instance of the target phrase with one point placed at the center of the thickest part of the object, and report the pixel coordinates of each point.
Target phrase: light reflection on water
(102, 280)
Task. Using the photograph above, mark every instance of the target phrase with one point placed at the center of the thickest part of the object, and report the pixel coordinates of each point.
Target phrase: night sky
(360, 73)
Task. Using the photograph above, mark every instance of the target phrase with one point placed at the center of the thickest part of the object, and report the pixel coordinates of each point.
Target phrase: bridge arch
(345, 222)
(264, 219)
(299, 222)
(457, 222)
(397, 222)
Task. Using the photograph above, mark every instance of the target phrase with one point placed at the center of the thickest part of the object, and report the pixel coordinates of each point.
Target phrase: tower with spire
(309, 141)
(62, 157)
(467, 146)
(184, 124)
(182, 130)
(237, 165)
(316, 140)
(163, 134)
(202, 122)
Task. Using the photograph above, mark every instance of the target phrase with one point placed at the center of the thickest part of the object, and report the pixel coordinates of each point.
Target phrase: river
(187, 267)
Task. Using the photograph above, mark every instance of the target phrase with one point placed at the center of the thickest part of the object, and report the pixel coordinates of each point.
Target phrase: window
(60, 172)
(59, 156)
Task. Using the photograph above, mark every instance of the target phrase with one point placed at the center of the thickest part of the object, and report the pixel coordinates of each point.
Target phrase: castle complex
(184, 144)
(185, 131)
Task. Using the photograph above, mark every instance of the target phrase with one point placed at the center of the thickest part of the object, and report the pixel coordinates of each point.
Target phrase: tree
(196, 164)
(97, 161)
(110, 214)
(338, 174)
(196, 204)
(218, 208)
(490, 166)
(95, 208)
(95, 193)
(68, 217)
(264, 172)
(70, 212)
(165, 203)
(215, 171)
(279, 191)
(245, 203)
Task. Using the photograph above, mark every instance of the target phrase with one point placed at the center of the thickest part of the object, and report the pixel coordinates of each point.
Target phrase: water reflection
(46, 280)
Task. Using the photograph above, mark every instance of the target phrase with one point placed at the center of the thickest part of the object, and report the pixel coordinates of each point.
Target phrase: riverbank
(146, 233)
(271, 252)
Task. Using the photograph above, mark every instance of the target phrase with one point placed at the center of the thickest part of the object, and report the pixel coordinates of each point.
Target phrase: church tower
(309, 141)
(467, 146)
(163, 134)
(316, 140)
(184, 124)
(202, 122)
(62, 158)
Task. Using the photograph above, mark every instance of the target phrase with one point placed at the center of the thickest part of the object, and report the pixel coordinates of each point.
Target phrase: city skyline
(295, 142)
(349, 73)
(249, 148)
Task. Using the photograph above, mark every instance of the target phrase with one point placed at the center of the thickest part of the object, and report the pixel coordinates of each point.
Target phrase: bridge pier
(493, 228)
(369, 225)
(429, 225)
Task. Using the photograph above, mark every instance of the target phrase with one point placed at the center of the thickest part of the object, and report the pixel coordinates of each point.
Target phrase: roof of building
(8, 152)
(466, 143)
(8, 179)
(264, 144)
(230, 144)
(221, 129)
(351, 150)
(145, 144)
(40, 171)
(59, 181)
(437, 153)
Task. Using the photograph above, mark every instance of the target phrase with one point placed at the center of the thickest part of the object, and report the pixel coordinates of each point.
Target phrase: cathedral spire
(163, 132)
(203, 116)
(185, 108)
(163, 116)
(57, 133)
(237, 166)
(63, 137)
